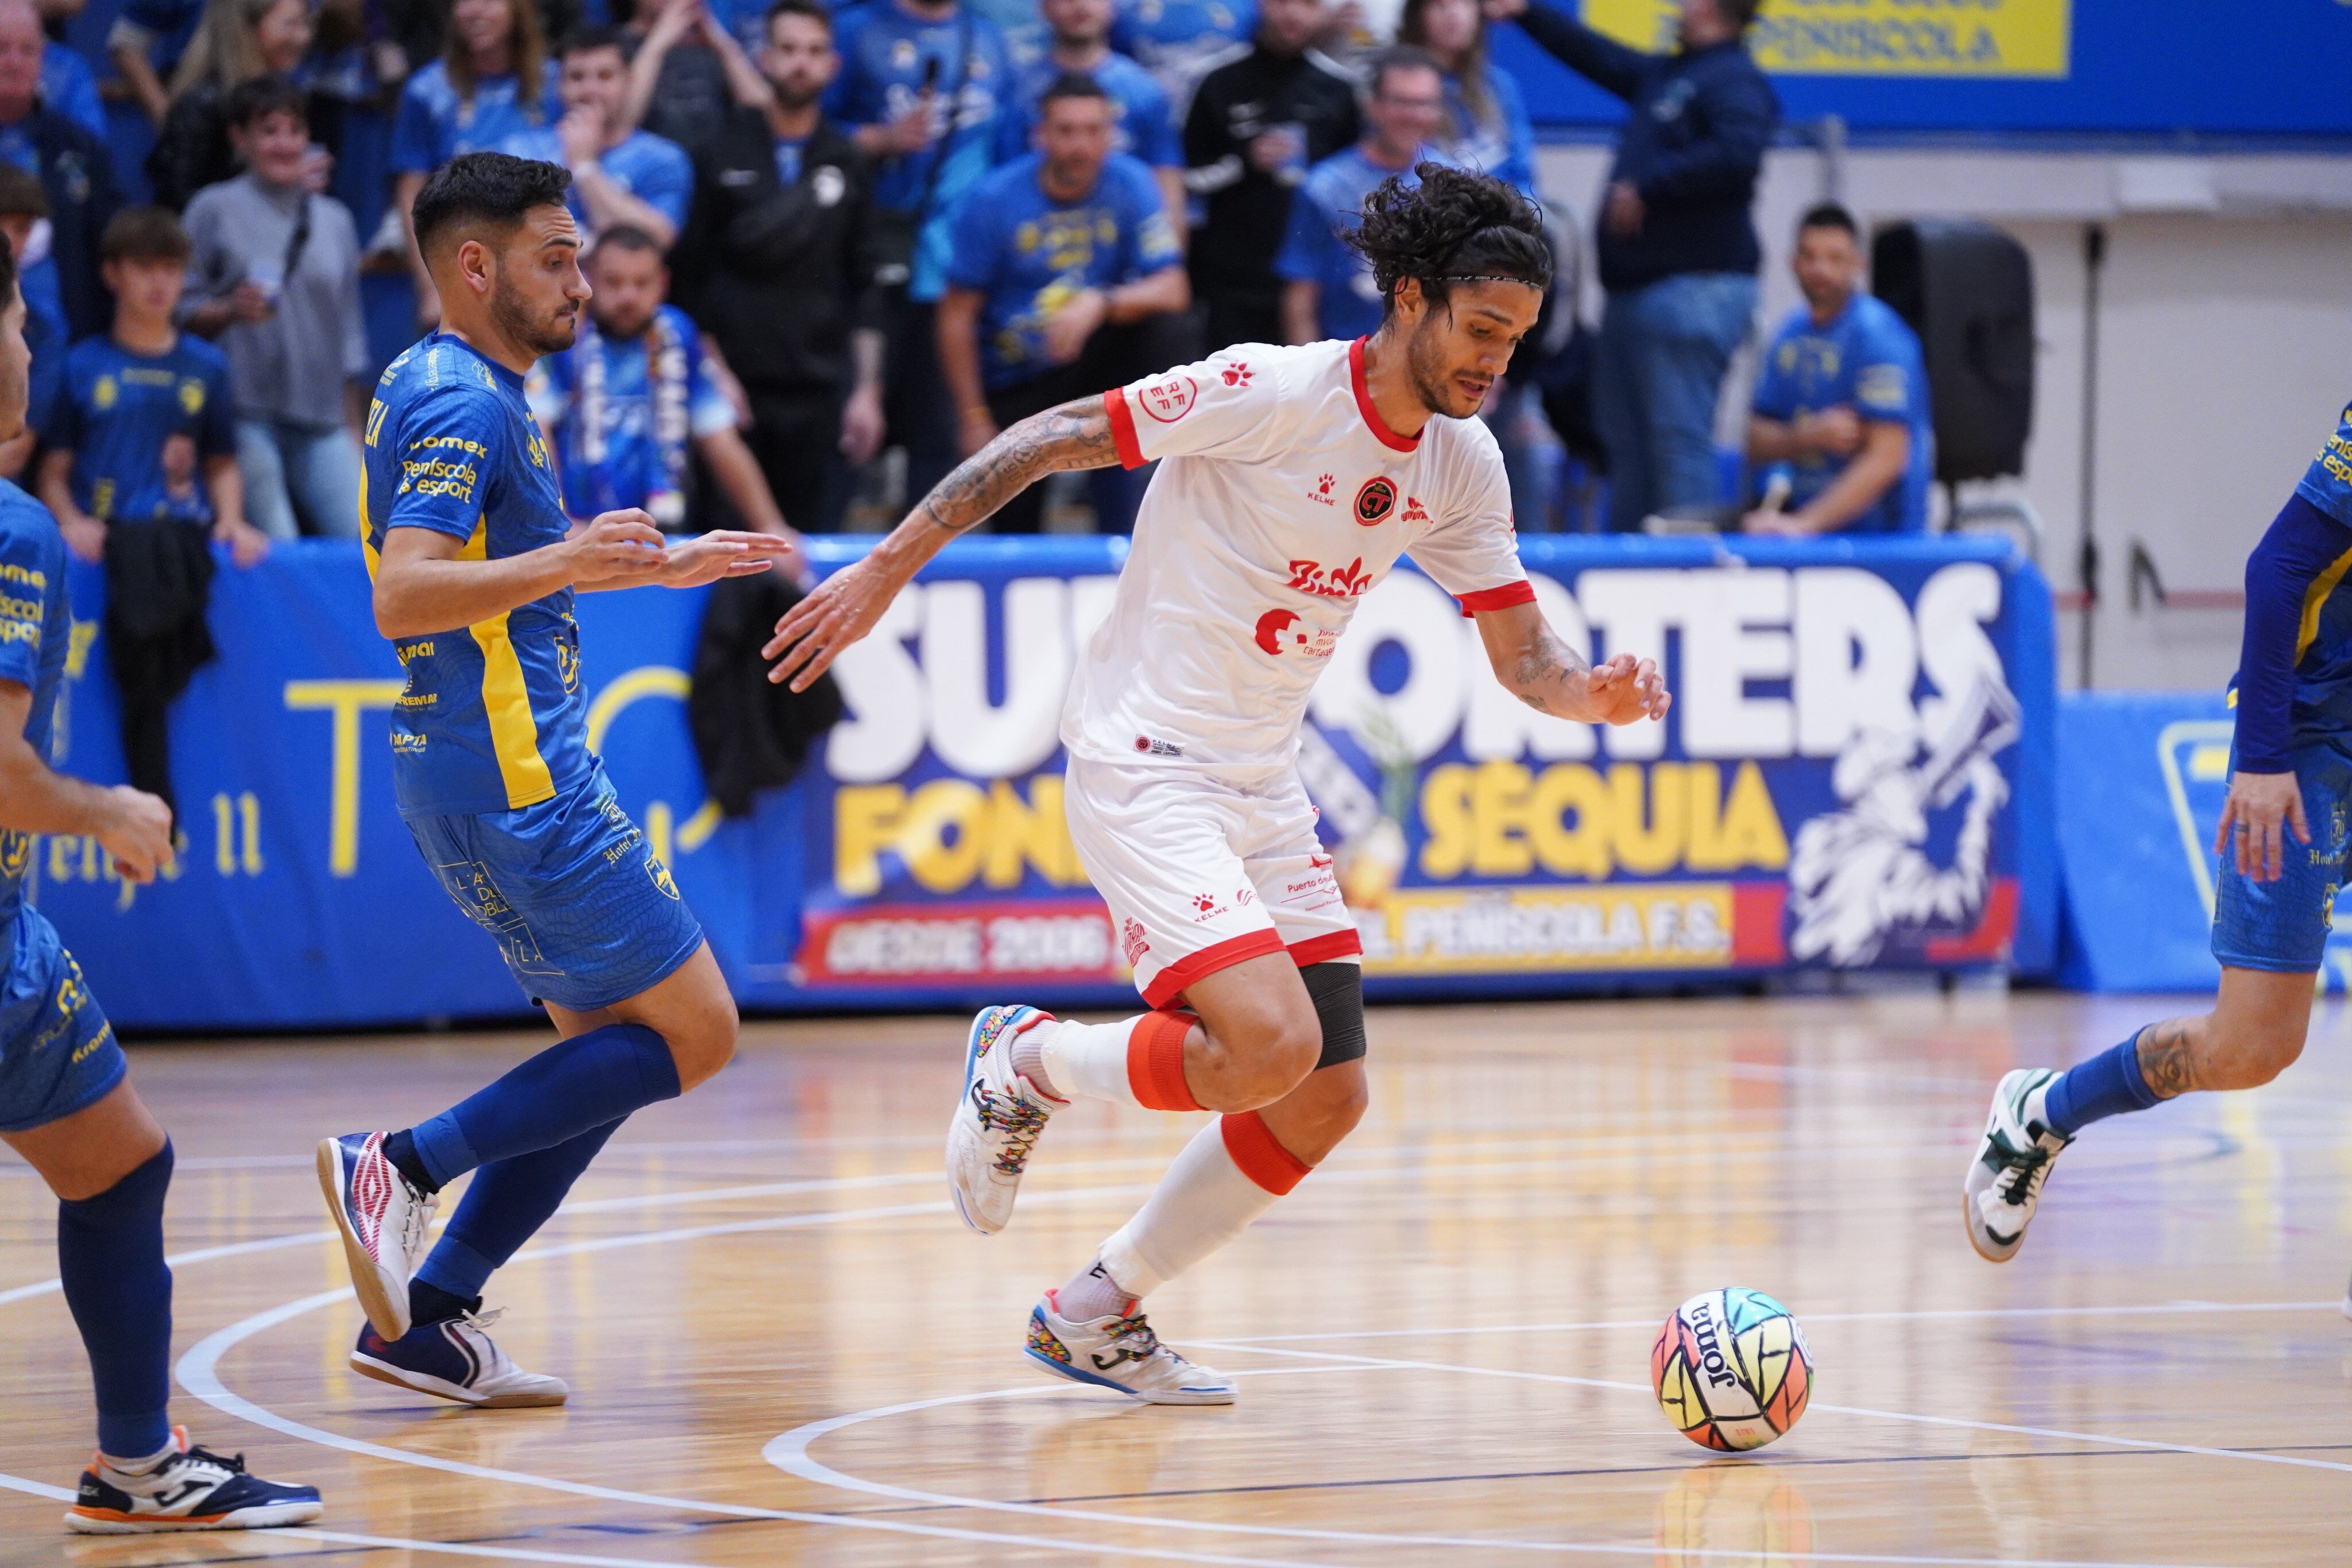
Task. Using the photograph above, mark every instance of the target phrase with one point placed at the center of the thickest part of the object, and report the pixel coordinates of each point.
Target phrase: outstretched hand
(838, 611)
(707, 557)
(1624, 690)
(2254, 820)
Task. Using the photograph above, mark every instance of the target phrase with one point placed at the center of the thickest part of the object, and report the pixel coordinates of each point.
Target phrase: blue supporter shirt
(116, 409)
(621, 461)
(1142, 124)
(1177, 40)
(652, 168)
(70, 87)
(36, 622)
(1330, 205)
(1503, 144)
(493, 718)
(1028, 253)
(886, 54)
(1867, 360)
(434, 125)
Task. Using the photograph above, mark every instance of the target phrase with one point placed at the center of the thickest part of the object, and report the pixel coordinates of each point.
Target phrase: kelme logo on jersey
(1375, 500)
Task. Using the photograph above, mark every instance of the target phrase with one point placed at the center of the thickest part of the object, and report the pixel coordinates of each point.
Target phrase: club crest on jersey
(1375, 500)
(1169, 398)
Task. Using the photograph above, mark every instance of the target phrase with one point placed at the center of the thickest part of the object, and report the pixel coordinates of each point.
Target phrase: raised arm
(1543, 671)
(845, 606)
(1600, 60)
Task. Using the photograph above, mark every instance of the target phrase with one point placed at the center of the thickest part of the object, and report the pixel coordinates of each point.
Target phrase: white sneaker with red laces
(382, 1216)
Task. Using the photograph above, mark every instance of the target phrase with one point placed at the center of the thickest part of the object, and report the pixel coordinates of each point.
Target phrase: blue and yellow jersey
(493, 718)
(140, 427)
(35, 624)
(2328, 483)
(1868, 359)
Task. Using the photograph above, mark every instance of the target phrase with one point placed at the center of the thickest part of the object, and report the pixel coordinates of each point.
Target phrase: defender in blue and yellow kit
(66, 1101)
(2282, 844)
(476, 567)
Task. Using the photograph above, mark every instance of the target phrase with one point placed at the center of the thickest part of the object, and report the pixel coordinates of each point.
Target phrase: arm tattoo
(1550, 677)
(2167, 1057)
(1076, 435)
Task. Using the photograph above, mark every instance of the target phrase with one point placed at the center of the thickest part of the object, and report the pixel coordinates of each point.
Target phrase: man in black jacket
(1677, 251)
(778, 266)
(75, 172)
(1257, 124)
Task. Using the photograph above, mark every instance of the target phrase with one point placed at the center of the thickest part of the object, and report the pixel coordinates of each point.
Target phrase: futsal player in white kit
(1290, 480)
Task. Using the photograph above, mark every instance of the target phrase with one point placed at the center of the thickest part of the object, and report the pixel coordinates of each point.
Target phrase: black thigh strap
(1338, 993)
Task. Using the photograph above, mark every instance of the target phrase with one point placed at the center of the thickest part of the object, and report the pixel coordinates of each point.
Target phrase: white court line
(1925, 1314)
(2144, 1443)
(789, 1452)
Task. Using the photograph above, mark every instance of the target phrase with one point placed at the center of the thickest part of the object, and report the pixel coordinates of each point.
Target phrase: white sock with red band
(1135, 1062)
(1227, 1175)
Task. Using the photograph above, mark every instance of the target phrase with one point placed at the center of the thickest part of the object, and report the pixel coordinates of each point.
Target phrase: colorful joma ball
(1731, 1369)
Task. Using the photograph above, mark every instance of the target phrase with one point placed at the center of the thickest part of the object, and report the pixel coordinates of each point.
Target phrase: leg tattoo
(2167, 1057)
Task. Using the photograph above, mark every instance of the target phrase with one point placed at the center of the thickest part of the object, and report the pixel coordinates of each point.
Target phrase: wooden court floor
(784, 1350)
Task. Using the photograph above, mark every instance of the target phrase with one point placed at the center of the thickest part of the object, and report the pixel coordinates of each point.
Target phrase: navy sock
(504, 1207)
(572, 1087)
(400, 1149)
(2108, 1084)
(111, 1263)
(429, 1304)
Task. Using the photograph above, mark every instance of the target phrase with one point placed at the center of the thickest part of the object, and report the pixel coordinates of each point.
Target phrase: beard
(1432, 381)
(549, 334)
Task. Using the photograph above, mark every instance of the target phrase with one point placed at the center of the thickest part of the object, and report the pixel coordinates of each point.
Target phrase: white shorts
(1201, 873)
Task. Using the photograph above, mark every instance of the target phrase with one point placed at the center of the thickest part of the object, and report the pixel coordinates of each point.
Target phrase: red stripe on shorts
(1170, 983)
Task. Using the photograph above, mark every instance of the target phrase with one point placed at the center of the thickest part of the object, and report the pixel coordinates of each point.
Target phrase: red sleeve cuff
(1122, 428)
(1503, 598)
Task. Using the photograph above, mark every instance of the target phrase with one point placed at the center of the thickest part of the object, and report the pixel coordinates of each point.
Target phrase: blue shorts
(2282, 926)
(58, 1052)
(585, 912)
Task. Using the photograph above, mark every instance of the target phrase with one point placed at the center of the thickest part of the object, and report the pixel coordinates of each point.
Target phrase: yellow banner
(1678, 925)
(1875, 37)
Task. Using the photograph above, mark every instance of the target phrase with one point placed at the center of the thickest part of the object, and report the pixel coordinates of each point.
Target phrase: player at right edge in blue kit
(475, 568)
(2281, 844)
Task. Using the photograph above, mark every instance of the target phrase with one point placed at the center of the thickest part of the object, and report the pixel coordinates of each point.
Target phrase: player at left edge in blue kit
(476, 567)
(2283, 841)
(66, 1105)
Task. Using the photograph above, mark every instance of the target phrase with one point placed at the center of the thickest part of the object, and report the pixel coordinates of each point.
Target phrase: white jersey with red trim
(1281, 499)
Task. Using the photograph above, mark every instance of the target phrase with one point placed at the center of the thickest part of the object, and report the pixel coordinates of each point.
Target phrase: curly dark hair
(1454, 227)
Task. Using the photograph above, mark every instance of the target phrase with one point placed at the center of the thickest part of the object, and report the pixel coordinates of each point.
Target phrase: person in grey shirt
(275, 278)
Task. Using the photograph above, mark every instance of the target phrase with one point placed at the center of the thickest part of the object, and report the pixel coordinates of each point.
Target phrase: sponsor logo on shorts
(1375, 500)
(1281, 631)
(1330, 582)
(1169, 398)
(1134, 942)
(1205, 906)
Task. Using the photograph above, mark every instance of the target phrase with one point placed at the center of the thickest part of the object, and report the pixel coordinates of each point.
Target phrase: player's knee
(1281, 1049)
(706, 1043)
(2264, 1055)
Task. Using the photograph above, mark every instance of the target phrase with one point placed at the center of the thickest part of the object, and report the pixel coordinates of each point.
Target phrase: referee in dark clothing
(777, 266)
(1257, 124)
(1677, 251)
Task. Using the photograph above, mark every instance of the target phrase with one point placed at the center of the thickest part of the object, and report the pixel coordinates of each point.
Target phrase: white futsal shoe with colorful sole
(382, 1216)
(455, 1360)
(2013, 1161)
(997, 1120)
(1121, 1352)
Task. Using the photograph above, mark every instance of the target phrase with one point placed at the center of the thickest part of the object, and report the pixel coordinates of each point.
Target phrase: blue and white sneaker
(1120, 1353)
(997, 1119)
(382, 1216)
(192, 1489)
(455, 1360)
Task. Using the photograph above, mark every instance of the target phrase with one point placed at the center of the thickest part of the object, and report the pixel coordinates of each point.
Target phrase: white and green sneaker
(2012, 1161)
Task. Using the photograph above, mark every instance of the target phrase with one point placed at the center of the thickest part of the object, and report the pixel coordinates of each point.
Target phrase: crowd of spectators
(818, 236)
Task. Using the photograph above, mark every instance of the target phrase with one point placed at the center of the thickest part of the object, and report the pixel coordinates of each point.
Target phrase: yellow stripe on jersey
(2314, 598)
(505, 701)
(367, 545)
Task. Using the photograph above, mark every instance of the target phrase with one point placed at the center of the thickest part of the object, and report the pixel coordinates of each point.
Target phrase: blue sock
(111, 1263)
(504, 1207)
(2109, 1084)
(571, 1087)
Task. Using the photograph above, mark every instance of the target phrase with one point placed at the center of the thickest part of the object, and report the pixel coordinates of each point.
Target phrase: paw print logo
(1204, 903)
(1324, 483)
(1237, 374)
